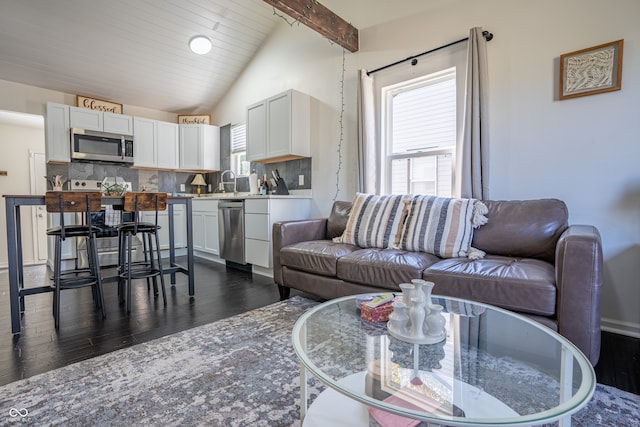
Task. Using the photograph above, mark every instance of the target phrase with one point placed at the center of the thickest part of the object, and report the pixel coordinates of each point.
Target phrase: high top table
(17, 289)
(493, 368)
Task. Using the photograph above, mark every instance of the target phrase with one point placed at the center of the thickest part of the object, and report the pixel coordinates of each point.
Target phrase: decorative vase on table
(426, 287)
(398, 319)
(417, 320)
(434, 322)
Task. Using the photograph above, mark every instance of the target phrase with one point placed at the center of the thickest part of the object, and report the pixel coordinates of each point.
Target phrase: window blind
(424, 118)
(238, 138)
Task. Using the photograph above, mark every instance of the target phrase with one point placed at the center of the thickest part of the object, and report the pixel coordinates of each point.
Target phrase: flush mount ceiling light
(200, 45)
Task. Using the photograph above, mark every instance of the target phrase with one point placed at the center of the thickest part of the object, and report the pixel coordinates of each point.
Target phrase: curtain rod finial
(487, 35)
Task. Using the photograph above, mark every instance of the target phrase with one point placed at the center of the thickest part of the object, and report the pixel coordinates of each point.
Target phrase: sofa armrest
(289, 232)
(579, 268)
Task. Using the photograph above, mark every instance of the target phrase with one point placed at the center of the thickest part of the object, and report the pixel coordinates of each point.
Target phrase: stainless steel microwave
(88, 145)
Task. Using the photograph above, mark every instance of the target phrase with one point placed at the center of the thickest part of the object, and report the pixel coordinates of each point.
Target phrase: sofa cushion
(442, 226)
(521, 284)
(375, 221)
(385, 268)
(522, 228)
(338, 218)
(315, 256)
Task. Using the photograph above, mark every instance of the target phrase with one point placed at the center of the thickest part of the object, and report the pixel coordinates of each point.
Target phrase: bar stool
(84, 202)
(151, 266)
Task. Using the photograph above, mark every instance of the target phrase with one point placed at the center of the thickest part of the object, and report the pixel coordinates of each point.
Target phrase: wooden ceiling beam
(317, 17)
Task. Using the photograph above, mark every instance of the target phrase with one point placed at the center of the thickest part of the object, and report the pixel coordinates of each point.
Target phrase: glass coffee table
(493, 368)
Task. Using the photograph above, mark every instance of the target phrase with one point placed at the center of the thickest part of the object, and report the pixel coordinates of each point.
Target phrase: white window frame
(238, 150)
(388, 156)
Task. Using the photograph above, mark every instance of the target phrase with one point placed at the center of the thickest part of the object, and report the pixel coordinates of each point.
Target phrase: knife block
(281, 187)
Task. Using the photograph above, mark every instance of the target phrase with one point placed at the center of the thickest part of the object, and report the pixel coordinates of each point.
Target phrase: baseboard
(208, 256)
(262, 271)
(620, 327)
(5, 265)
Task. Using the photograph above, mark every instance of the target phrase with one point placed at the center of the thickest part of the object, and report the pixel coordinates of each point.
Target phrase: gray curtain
(368, 177)
(473, 153)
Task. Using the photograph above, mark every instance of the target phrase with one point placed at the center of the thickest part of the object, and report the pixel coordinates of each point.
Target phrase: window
(419, 135)
(239, 163)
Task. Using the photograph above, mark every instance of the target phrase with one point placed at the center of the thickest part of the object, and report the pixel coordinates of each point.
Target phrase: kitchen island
(17, 289)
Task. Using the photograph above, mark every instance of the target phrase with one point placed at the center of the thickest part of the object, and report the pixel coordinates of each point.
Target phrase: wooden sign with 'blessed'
(98, 104)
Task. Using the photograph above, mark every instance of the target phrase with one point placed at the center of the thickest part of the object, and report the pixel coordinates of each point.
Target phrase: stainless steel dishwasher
(231, 230)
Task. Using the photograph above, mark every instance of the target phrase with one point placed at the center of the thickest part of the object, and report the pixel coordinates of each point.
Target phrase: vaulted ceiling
(135, 51)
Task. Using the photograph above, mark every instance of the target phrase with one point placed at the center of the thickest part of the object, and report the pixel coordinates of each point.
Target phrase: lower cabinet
(259, 216)
(68, 252)
(205, 226)
(179, 224)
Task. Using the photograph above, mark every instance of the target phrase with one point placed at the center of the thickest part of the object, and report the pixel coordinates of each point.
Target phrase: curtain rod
(487, 36)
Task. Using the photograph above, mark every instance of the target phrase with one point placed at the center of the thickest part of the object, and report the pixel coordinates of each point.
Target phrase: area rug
(239, 371)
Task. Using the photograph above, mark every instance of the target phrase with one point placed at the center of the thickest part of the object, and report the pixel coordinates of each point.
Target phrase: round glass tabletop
(493, 367)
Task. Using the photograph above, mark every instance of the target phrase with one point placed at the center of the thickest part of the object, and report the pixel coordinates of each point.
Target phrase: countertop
(222, 196)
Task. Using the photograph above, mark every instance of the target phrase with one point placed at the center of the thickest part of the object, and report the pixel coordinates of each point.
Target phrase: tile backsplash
(169, 181)
(290, 172)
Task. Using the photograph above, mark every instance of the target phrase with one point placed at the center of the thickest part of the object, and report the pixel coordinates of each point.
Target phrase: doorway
(38, 168)
(22, 171)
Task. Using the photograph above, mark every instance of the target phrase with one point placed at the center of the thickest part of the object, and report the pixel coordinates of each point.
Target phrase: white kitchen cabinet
(168, 150)
(205, 226)
(257, 131)
(278, 128)
(120, 124)
(155, 143)
(199, 147)
(68, 250)
(84, 118)
(57, 135)
(144, 145)
(179, 224)
(259, 216)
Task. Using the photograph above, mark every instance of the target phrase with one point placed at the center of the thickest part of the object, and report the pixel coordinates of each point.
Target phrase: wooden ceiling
(135, 51)
(132, 52)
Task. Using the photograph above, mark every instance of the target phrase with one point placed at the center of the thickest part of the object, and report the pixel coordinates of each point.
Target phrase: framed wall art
(593, 70)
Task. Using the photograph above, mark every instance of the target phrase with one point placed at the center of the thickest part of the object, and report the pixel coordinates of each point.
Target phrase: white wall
(33, 100)
(583, 151)
(16, 144)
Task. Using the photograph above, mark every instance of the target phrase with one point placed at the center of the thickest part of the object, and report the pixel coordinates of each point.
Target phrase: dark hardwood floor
(220, 292)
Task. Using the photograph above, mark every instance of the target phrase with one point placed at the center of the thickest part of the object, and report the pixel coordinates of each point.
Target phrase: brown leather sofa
(535, 264)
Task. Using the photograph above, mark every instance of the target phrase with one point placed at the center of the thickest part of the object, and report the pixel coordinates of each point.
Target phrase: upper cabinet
(57, 136)
(121, 124)
(84, 118)
(168, 146)
(200, 147)
(155, 144)
(257, 131)
(145, 142)
(278, 128)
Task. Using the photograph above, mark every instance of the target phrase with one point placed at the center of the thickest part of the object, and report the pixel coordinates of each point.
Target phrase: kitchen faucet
(223, 182)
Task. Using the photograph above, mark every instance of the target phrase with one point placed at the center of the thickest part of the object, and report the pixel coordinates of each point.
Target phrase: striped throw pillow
(375, 221)
(443, 226)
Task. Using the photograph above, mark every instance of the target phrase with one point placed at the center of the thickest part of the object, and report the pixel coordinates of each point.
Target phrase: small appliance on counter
(281, 187)
(253, 183)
